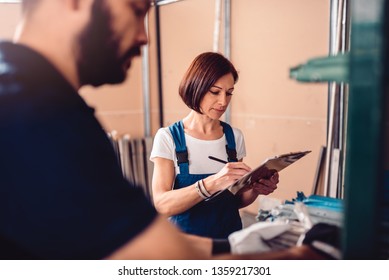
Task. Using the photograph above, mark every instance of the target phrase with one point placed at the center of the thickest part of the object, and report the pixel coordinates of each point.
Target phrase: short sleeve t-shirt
(198, 151)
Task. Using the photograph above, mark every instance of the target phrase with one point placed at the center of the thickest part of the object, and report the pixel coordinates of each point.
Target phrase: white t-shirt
(198, 151)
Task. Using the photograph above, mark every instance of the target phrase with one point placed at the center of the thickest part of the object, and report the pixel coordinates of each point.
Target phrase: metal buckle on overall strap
(231, 153)
(182, 157)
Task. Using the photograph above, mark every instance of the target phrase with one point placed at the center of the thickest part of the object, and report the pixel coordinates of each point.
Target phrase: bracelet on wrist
(198, 189)
(203, 189)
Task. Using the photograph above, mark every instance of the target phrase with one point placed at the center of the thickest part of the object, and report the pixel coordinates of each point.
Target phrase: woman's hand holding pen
(231, 172)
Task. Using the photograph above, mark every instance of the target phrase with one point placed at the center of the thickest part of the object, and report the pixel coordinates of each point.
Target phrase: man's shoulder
(14, 64)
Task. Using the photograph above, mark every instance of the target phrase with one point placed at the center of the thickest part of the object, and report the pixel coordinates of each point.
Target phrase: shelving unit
(364, 230)
(364, 68)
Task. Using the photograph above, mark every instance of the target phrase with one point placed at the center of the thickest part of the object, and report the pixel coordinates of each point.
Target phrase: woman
(184, 177)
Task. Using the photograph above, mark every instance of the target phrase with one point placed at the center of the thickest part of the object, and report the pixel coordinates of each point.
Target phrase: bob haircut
(201, 75)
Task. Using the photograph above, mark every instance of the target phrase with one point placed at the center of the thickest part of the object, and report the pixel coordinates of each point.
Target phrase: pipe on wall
(146, 85)
(339, 33)
(227, 44)
(159, 65)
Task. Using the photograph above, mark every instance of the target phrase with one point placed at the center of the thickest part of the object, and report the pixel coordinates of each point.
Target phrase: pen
(217, 159)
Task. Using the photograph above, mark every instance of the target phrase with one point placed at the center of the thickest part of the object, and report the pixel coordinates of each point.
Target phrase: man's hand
(253, 238)
(325, 240)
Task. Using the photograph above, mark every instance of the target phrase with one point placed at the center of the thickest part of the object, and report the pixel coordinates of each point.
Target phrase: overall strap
(231, 146)
(177, 131)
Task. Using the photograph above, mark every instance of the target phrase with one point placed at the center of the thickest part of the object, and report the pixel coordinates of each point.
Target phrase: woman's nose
(223, 100)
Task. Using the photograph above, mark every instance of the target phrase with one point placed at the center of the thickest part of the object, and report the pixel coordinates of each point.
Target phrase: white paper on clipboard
(264, 170)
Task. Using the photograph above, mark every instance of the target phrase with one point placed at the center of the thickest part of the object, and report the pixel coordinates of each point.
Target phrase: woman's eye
(214, 92)
(229, 93)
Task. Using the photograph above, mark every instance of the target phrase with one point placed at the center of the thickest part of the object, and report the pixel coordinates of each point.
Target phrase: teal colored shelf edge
(323, 69)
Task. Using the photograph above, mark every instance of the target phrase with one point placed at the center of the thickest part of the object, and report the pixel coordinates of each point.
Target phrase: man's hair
(29, 5)
(201, 75)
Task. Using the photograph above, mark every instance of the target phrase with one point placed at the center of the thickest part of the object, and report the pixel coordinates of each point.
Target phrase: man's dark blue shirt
(62, 194)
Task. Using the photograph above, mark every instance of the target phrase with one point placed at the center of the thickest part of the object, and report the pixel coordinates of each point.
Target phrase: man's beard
(98, 59)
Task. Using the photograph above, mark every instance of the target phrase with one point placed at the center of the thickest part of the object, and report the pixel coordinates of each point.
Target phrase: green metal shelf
(323, 69)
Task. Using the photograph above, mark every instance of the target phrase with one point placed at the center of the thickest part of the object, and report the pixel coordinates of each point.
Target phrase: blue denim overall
(215, 218)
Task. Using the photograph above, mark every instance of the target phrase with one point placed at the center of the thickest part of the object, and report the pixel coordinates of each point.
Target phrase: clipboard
(264, 171)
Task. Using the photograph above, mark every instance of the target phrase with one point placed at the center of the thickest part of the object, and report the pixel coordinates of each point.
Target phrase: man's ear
(73, 4)
(78, 4)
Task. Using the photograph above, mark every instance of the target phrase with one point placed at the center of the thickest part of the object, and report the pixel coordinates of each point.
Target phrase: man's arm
(161, 240)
